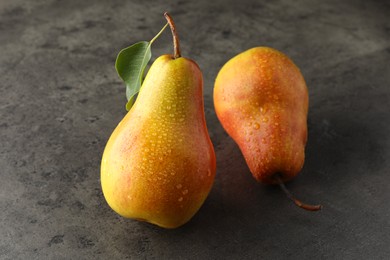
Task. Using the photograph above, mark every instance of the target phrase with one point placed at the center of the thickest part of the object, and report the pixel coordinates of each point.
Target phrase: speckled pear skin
(159, 163)
(261, 100)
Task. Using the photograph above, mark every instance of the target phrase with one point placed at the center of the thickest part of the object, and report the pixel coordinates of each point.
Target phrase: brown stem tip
(295, 200)
(176, 45)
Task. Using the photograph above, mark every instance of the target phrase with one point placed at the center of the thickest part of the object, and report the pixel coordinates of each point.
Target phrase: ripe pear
(261, 100)
(159, 163)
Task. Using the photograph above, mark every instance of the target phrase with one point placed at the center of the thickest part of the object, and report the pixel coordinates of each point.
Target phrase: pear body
(261, 100)
(159, 163)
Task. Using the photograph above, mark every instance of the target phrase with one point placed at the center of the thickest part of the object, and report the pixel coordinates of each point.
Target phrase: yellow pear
(159, 163)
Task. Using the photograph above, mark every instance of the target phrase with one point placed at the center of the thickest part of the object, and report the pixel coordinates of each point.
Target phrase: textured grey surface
(60, 99)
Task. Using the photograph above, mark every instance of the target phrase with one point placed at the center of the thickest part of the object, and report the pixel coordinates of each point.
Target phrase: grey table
(60, 99)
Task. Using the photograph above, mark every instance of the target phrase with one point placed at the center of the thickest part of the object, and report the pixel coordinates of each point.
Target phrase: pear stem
(295, 200)
(176, 45)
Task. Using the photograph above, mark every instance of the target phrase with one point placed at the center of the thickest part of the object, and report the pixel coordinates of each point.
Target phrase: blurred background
(60, 99)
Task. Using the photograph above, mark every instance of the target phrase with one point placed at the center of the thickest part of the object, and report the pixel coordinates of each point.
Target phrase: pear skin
(159, 163)
(261, 100)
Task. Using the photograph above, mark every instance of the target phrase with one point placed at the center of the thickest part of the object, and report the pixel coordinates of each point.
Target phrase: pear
(159, 164)
(261, 100)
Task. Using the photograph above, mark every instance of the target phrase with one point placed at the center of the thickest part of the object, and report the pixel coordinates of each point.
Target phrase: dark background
(60, 99)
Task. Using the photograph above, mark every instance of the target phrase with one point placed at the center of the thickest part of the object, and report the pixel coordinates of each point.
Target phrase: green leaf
(130, 65)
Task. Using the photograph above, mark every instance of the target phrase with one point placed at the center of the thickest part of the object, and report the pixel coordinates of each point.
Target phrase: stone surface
(60, 99)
